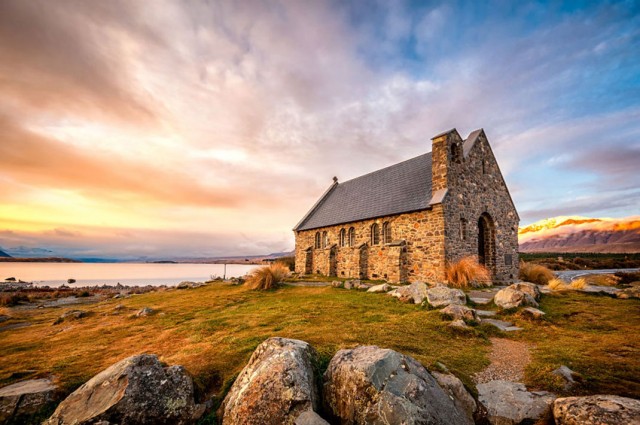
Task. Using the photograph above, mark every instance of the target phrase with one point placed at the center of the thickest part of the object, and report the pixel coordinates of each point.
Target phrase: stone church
(404, 223)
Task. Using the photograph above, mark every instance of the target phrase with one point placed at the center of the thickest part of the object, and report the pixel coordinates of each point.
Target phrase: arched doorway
(487, 242)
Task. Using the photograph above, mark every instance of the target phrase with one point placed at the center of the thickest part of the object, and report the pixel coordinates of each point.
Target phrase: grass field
(213, 330)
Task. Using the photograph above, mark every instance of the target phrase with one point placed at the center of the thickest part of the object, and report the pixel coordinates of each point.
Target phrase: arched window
(325, 239)
(343, 237)
(375, 234)
(386, 232)
(352, 236)
(463, 229)
(317, 242)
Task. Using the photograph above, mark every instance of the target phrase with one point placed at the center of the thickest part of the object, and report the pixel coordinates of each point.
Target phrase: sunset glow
(196, 129)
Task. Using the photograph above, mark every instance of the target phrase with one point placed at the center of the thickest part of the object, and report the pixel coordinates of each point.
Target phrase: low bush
(267, 277)
(467, 272)
(578, 283)
(10, 300)
(556, 284)
(535, 273)
(627, 277)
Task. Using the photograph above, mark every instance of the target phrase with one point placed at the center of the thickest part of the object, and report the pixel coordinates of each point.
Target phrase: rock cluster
(517, 295)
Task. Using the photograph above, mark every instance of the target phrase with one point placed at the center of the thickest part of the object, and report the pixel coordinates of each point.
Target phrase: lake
(94, 274)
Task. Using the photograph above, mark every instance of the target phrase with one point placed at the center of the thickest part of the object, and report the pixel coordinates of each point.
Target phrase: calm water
(89, 274)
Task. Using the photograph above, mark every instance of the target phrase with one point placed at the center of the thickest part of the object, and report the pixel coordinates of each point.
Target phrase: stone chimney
(446, 150)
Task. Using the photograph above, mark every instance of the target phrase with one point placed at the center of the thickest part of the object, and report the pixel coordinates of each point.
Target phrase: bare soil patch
(508, 360)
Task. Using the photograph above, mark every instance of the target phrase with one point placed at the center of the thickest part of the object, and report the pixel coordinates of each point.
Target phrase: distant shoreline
(38, 260)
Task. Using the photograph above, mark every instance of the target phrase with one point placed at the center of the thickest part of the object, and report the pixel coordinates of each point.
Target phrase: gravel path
(508, 360)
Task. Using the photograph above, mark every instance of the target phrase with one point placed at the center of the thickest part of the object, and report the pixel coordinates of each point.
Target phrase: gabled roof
(397, 189)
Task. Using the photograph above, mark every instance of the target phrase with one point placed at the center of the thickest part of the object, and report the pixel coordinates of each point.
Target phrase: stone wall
(476, 188)
(417, 252)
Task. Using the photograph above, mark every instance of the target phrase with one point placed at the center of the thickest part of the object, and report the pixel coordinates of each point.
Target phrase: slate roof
(397, 189)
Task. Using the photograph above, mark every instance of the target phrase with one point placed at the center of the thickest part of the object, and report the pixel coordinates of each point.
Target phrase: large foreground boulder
(509, 403)
(454, 387)
(511, 297)
(26, 401)
(440, 296)
(414, 293)
(371, 385)
(136, 390)
(275, 387)
(596, 410)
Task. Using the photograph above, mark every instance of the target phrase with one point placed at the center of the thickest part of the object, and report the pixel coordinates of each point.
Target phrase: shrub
(578, 283)
(556, 284)
(10, 300)
(627, 277)
(535, 273)
(267, 277)
(468, 272)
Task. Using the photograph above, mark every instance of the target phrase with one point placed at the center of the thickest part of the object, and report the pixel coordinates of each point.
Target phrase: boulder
(136, 390)
(71, 314)
(185, 285)
(532, 313)
(569, 377)
(440, 296)
(145, 311)
(596, 410)
(459, 324)
(455, 389)
(460, 312)
(414, 293)
(371, 385)
(511, 297)
(384, 287)
(509, 403)
(337, 284)
(309, 417)
(26, 401)
(528, 288)
(360, 285)
(347, 284)
(275, 387)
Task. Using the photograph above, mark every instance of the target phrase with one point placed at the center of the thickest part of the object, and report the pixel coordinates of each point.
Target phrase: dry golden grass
(535, 273)
(602, 279)
(556, 284)
(467, 272)
(578, 283)
(267, 277)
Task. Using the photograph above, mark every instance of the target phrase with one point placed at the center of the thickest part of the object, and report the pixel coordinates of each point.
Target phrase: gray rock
(136, 390)
(596, 410)
(455, 389)
(502, 325)
(359, 285)
(413, 293)
(71, 314)
(310, 417)
(379, 386)
(337, 284)
(275, 387)
(347, 285)
(459, 324)
(509, 403)
(532, 313)
(24, 402)
(384, 287)
(145, 311)
(570, 377)
(486, 313)
(440, 296)
(460, 312)
(511, 297)
(528, 288)
(185, 285)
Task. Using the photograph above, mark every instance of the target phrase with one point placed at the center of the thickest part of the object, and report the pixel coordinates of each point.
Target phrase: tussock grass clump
(267, 277)
(603, 279)
(578, 283)
(556, 284)
(535, 273)
(467, 272)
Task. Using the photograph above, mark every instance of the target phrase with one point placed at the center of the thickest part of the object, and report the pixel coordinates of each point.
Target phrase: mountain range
(4, 254)
(581, 234)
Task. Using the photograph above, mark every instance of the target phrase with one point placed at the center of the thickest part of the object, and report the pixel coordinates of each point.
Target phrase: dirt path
(508, 360)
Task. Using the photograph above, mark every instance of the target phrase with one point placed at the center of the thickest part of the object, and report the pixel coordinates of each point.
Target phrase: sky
(136, 129)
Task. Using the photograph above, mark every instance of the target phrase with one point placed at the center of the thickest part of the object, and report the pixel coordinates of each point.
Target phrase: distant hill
(4, 254)
(581, 234)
